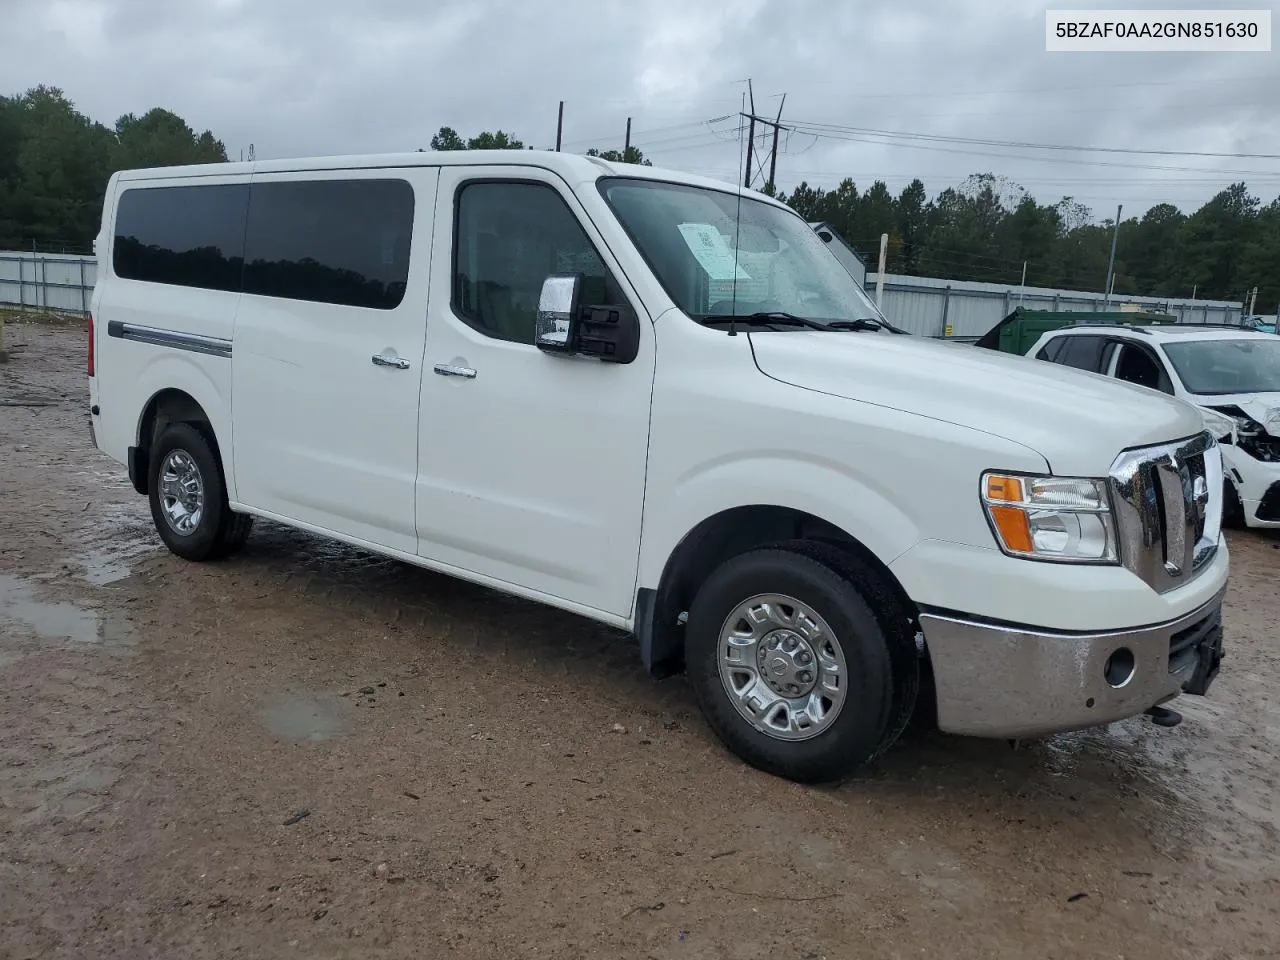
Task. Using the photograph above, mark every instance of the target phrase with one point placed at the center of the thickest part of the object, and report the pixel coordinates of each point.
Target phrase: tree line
(54, 165)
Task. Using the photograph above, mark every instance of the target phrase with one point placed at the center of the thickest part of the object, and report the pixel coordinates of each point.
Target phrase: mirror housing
(609, 332)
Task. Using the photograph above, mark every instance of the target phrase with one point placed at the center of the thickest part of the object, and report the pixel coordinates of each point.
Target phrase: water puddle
(302, 718)
(103, 567)
(58, 620)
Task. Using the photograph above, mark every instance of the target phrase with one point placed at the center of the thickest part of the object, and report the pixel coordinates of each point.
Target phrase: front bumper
(1011, 681)
(1257, 484)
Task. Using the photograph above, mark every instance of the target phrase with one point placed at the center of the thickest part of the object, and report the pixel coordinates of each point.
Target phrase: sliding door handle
(453, 370)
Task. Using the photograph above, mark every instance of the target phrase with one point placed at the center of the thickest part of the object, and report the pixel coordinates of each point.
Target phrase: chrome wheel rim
(782, 667)
(181, 493)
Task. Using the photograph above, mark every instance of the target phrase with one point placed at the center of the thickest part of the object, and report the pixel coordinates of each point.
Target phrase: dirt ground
(308, 751)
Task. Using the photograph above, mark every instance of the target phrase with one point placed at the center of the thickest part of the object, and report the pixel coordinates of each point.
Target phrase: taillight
(91, 344)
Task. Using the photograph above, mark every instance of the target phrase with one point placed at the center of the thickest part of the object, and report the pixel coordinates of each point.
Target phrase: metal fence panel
(927, 306)
(47, 281)
(959, 308)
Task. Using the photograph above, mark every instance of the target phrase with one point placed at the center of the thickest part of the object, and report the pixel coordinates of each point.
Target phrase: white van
(660, 402)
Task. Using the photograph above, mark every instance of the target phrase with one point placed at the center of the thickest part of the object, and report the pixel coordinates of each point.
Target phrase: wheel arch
(712, 541)
(166, 406)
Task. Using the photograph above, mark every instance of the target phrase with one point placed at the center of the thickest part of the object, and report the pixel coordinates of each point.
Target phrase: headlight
(1050, 518)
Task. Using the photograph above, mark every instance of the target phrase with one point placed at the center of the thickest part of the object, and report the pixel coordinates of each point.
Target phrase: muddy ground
(308, 751)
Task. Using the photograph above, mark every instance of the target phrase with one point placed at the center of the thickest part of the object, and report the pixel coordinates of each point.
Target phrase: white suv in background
(1232, 374)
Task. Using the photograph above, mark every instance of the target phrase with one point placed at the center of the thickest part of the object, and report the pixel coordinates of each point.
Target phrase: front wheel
(189, 498)
(791, 666)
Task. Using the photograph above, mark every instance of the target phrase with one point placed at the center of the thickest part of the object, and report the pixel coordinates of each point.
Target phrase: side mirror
(555, 329)
(564, 325)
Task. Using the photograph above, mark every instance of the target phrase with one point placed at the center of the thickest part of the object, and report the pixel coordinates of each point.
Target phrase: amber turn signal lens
(1014, 527)
(1004, 489)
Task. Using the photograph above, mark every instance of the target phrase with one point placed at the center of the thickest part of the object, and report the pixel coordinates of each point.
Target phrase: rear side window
(1084, 353)
(1051, 349)
(330, 241)
(189, 236)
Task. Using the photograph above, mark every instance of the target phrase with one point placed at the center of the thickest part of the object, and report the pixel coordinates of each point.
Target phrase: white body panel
(311, 403)
(572, 481)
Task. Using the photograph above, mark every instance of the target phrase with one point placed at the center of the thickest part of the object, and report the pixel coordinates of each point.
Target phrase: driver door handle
(452, 370)
(400, 363)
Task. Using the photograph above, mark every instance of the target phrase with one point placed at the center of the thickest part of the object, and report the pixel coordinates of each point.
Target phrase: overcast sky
(307, 77)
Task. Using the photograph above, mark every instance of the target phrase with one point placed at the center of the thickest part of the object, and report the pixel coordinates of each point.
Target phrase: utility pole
(1111, 261)
(560, 126)
(756, 169)
(626, 148)
(1022, 287)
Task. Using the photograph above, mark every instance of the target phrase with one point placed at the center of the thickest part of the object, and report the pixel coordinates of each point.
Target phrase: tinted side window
(1138, 366)
(1051, 349)
(188, 236)
(509, 238)
(330, 241)
(1084, 353)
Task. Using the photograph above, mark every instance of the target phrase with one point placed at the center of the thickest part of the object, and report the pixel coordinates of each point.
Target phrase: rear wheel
(189, 498)
(793, 668)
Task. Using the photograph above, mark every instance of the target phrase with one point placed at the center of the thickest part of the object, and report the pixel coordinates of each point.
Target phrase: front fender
(821, 487)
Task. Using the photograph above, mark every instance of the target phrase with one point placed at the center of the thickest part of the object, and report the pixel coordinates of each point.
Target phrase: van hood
(1077, 421)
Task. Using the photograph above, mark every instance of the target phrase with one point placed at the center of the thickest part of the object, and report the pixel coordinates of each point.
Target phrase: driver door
(531, 465)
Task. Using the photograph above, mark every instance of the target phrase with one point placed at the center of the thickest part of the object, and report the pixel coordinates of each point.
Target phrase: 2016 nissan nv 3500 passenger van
(660, 402)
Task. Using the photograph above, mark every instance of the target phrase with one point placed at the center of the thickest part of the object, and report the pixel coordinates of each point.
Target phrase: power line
(818, 128)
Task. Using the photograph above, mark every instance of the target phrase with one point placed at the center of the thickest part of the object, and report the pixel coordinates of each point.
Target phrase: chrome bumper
(1011, 681)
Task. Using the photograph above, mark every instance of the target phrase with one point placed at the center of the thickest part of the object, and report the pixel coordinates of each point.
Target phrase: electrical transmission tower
(767, 154)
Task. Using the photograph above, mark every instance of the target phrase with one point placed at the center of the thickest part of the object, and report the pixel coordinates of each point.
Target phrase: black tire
(882, 668)
(219, 531)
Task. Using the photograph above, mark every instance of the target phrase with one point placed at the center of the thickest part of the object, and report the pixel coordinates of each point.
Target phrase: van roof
(574, 168)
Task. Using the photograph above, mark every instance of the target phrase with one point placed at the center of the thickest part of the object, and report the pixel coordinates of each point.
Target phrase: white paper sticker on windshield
(708, 246)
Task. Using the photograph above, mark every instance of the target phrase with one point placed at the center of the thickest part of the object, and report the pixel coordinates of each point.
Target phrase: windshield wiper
(864, 323)
(781, 318)
(764, 318)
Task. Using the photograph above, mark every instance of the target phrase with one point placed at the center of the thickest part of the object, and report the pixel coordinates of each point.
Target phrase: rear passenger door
(329, 339)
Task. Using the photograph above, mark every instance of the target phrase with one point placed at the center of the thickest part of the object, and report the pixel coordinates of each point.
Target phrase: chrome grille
(1168, 501)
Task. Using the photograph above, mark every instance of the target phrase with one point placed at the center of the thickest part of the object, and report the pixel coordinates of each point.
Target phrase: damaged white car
(1232, 374)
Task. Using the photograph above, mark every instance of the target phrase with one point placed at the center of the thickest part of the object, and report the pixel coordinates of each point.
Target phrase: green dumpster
(1020, 329)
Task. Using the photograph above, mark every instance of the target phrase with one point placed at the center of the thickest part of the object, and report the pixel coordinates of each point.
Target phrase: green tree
(162, 138)
(494, 141)
(629, 155)
(447, 139)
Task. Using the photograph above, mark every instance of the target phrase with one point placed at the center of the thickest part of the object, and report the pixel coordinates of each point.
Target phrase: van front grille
(1168, 502)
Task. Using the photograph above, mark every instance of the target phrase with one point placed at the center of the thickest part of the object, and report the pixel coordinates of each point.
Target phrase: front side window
(718, 255)
(1137, 366)
(509, 238)
(188, 236)
(1221, 367)
(330, 241)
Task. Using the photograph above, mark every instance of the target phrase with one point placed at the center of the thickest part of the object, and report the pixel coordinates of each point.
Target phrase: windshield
(715, 264)
(1227, 366)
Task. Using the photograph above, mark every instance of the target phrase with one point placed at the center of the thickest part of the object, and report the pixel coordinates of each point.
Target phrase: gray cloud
(304, 77)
